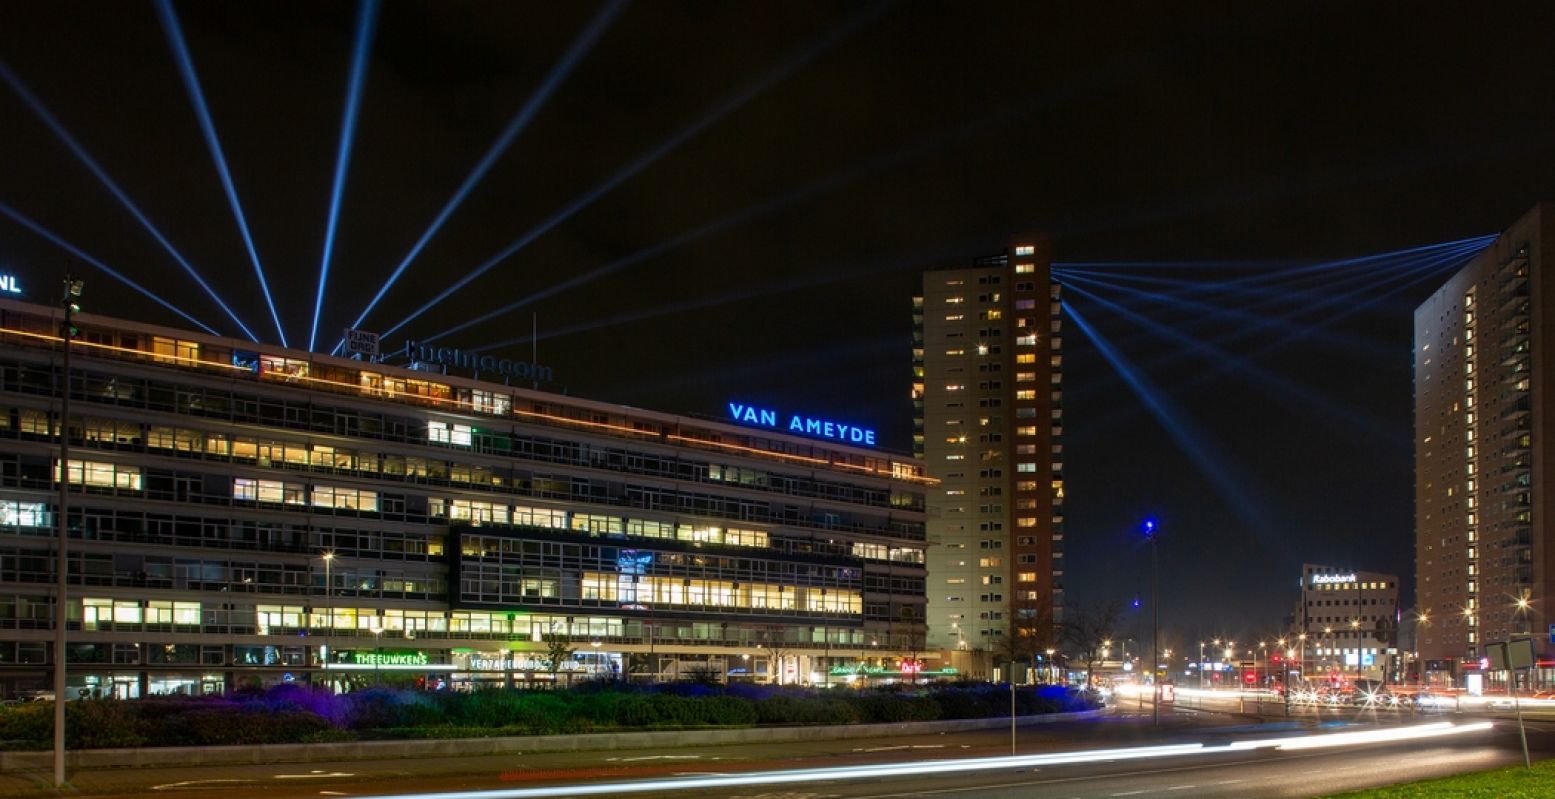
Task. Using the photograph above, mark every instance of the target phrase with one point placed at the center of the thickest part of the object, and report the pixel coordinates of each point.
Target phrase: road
(1242, 773)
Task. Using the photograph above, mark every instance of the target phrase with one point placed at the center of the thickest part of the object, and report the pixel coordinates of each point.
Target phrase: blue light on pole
(1148, 529)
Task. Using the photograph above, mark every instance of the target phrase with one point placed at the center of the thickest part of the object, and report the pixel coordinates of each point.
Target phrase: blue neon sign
(802, 425)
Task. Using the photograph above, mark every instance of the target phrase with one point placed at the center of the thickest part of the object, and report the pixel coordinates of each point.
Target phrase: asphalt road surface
(1246, 773)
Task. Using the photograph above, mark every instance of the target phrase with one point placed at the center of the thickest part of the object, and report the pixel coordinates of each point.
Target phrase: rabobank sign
(800, 424)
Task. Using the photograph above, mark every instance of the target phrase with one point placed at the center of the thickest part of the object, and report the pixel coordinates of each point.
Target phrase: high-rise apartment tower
(1484, 445)
(987, 363)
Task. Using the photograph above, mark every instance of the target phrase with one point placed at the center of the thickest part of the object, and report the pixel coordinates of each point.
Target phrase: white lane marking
(314, 776)
(655, 757)
(1229, 782)
(190, 784)
(1181, 787)
(1129, 793)
(332, 793)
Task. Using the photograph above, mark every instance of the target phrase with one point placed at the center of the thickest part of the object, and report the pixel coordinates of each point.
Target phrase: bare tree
(558, 650)
(1085, 627)
(1031, 632)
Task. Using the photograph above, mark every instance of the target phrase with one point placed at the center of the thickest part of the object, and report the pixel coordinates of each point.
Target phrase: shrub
(101, 724)
(27, 726)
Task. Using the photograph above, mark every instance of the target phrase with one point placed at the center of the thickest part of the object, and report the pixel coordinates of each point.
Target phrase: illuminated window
(1026, 577)
(345, 498)
(23, 514)
(540, 517)
(1026, 357)
(1026, 341)
(282, 368)
(490, 402)
(276, 491)
(1025, 269)
(102, 475)
(170, 350)
(1025, 249)
(449, 433)
(954, 317)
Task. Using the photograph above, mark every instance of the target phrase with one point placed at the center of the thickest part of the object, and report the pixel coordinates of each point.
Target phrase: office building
(246, 514)
(987, 365)
(1484, 549)
(1346, 625)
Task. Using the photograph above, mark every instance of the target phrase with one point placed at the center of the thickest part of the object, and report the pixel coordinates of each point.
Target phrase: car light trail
(700, 782)
(1332, 739)
(367, 19)
(730, 104)
(91, 164)
(820, 774)
(574, 54)
(77, 252)
(175, 38)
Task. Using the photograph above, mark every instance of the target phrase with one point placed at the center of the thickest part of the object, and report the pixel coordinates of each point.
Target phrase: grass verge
(1505, 783)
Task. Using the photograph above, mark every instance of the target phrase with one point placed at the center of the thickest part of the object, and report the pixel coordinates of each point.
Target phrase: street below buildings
(1204, 761)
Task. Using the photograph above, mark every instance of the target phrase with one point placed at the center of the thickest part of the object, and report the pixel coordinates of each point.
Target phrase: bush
(805, 710)
(27, 726)
(101, 724)
(301, 714)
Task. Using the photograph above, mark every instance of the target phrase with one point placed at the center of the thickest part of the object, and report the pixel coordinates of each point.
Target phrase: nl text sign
(361, 342)
(802, 425)
(9, 285)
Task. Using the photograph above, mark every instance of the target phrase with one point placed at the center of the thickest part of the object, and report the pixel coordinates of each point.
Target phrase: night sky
(793, 167)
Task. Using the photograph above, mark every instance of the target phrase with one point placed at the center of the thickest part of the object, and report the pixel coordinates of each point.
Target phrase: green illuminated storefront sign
(389, 658)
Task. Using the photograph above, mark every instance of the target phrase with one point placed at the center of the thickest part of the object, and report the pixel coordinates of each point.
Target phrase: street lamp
(67, 335)
(1355, 630)
(1155, 607)
(329, 623)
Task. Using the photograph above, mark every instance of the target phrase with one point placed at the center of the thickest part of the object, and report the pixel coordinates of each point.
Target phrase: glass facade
(243, 515)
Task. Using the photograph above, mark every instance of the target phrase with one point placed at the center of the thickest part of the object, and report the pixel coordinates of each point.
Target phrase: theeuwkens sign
(390, 658)
(489, 364)
(803, 425)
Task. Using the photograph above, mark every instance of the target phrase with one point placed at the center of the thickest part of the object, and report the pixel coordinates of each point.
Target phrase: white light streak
(1434, 730)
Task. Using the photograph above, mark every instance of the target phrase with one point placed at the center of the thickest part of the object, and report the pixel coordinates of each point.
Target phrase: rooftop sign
(1328, 579)
(802, 425)
(10, 285)
(488, 364)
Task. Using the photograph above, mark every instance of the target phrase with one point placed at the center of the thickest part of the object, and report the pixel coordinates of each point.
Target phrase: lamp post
(1155, 627)
(67, 335)
(1355, 632)
(329, 622)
